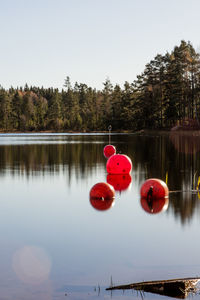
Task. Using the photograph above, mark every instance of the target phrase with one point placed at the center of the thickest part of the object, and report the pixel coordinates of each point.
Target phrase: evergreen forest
(167, 93)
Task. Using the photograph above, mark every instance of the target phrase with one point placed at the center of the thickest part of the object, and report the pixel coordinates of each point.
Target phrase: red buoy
(102, 196)
(120, 182)
(154, 206)
(154, 188)
(109, 150)
(119, 164)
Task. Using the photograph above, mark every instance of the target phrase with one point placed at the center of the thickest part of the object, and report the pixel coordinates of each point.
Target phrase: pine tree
(5, 109)
(54, 112)
(16, 111)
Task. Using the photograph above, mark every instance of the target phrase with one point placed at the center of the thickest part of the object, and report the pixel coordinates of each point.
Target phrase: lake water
(56, 245)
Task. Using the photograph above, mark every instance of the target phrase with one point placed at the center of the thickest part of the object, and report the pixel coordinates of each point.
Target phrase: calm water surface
(56, 245)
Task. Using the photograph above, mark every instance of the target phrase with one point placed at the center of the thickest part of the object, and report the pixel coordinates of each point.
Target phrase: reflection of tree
(155, 155)
(187, 142)
(152, 156)
(34, 159)
(184, 205)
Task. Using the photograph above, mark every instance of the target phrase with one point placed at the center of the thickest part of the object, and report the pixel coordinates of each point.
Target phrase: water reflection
(102, 204)
(34, 159)
(184, 206)
(153, 155)
(186, 142)
(154, 206)
(48, 206)
(120, 182)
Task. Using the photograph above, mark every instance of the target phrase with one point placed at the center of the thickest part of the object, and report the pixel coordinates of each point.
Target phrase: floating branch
(177, 288)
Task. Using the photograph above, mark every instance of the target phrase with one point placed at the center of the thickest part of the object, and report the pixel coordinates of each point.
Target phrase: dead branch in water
(178, 288)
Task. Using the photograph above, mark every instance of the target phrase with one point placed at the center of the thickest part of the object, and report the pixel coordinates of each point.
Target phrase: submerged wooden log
(178, 288)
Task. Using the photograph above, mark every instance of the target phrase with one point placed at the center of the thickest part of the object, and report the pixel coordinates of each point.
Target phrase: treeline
(166, 93)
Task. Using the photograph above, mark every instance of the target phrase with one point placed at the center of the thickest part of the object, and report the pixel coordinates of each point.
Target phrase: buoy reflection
(120, 182)
(102, 196)
(154, 205)
(102, 204)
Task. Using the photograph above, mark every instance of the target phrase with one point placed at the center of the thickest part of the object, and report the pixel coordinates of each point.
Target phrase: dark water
(56, 245)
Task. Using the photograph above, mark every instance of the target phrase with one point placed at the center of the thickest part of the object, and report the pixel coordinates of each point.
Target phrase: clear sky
(43, 41)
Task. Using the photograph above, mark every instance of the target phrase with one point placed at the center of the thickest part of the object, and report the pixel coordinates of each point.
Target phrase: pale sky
(43, 41)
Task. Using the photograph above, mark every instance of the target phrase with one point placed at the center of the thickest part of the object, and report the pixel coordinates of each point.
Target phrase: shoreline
(142, 131)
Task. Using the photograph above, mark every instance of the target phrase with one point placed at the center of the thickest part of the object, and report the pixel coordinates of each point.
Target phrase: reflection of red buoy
(154, 188)
(102, 196)
(100, 204)
(109, 150)
(154, 206)
(120, 182)
(119, 164)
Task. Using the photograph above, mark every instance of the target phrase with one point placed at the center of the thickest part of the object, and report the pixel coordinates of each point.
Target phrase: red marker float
(102, 196)
(154, 206)
(119, 164)
(120, 182)
(154, 188)
(109, 150)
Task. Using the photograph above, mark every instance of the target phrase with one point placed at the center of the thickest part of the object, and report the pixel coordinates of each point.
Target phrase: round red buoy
(154, 188)
(120, 182)
(119, 164)
(154, 206)
(102, 196)
(109, 150)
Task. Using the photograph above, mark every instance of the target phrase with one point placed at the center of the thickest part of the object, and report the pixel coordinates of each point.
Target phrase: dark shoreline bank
(143, 131)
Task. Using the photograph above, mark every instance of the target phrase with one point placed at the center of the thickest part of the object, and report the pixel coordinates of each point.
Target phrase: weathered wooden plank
(178, 288)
